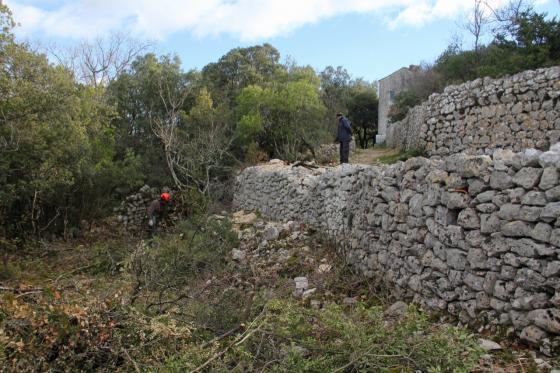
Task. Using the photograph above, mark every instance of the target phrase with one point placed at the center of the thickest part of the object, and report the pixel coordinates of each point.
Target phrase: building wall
(388, 88)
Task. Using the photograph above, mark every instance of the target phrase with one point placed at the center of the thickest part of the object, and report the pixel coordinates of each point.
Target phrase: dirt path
(370, 156)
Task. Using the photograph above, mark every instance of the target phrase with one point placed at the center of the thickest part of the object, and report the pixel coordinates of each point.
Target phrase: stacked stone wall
(132, 211)
(515, 112)
(475, 236)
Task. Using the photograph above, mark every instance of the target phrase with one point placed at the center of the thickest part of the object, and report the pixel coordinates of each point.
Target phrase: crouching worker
(156, 211)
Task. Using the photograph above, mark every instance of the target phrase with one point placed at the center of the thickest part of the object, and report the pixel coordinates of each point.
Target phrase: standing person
(156, 211)
(343, 136)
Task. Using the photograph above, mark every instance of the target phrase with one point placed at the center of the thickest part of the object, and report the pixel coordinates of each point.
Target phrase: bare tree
(199, 148)
(505, 17)
(477, 23)
(99, 61)
(166, 127)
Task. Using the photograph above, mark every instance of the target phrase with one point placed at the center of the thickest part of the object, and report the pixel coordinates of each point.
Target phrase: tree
(283, 118)
(476, 25)
(57, 163)
(240, 68)
(335, 85)
(522, 39)
(363, 113)
(335, 88)
(137, 97)
(100, 61)
(195, 144)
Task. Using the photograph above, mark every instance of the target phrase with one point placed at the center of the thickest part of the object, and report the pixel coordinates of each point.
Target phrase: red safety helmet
(165, 197)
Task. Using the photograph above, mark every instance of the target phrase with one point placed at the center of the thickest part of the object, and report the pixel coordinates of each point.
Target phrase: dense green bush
(57, 148)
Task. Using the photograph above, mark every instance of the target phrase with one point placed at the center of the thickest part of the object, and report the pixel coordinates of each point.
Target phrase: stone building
(388, 88)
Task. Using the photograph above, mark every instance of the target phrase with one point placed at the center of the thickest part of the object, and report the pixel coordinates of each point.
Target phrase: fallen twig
(246, 313)
(243, 337)
(304, 164)
(21, 290)
(134, 363)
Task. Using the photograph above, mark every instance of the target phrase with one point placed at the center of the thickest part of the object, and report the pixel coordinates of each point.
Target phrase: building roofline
(397, 71)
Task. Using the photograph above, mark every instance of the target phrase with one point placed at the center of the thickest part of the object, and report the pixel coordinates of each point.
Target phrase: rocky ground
(293, 260)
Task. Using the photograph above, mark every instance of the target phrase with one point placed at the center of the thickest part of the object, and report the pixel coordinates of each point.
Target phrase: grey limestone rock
(500, 180)
(468, 219)
(271, 233)
(551, 269)
(398, 309)
(456, 259)
(549, 178)
(486, 208)
(541, 232)
(555, 237)
(528, 177)
(551, 212)
(490, 223)
(509, 211)
(533, 335)
(534, 198)
(549, 159)
(476, 186)
(455, 200)
(485, 197)
(517, 229)
(529, 213)
(546, 319)
(553, 194)
(488, 345)
(519, 319)
(238, 255)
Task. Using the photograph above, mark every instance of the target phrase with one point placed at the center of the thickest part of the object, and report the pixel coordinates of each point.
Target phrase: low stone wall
(330, 153)
(476, 236)
(132, 211)
(406, 135)
(516, 112)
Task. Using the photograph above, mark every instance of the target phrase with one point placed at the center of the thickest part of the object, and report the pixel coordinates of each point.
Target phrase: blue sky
(370, 38)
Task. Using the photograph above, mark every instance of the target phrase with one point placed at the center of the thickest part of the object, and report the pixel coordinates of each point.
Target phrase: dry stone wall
(132, 211)
(516, 112)
(475, 236)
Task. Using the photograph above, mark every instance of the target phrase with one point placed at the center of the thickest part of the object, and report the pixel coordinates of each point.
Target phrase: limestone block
(546, 319)
(528, 177)
(534, 198)
(549, 178)
(468, 219)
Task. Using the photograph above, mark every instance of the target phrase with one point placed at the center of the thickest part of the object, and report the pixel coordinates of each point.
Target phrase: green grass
(288, 336)
(402, 156)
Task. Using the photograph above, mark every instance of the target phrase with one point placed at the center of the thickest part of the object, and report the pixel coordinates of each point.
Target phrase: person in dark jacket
(343, 137)
(156, 211)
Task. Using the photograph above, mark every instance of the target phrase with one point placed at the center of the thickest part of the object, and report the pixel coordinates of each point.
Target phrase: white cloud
(245, 19)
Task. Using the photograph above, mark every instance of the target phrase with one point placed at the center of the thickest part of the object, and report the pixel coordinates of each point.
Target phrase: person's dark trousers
(153, 228)
(344, 151)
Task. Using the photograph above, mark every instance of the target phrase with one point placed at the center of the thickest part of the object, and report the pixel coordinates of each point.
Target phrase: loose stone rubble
(476, 236)
(515, 112)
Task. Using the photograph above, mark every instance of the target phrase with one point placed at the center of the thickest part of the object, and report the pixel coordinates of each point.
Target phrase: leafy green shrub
(403, 102)
(107, 257)
(190, 202)
(165, 266)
